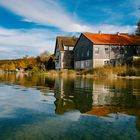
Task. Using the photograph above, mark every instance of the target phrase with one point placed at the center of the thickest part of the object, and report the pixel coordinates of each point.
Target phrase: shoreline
(70, 74)
(90, 76)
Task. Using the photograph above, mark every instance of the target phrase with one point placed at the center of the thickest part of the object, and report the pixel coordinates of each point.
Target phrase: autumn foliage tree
(41, 63)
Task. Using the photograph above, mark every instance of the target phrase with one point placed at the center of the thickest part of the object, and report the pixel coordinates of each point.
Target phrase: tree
(45, 54)
(12, 66)
(137, 33)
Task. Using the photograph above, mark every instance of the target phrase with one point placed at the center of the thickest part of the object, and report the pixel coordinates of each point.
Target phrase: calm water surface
(40, 108)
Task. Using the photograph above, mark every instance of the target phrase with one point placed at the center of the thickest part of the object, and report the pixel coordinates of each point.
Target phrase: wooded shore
(46, 66)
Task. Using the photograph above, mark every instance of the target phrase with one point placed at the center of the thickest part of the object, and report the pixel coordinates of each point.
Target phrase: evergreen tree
(138, 29)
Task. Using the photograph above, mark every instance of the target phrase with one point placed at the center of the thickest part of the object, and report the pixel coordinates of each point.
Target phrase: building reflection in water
(86, 94)
(96, 97)
(72, 94)
(92, 97)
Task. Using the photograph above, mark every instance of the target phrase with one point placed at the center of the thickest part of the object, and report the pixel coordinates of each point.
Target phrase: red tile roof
(120, 39)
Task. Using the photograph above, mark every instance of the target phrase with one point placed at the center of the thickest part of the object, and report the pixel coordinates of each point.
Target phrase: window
(87, 63)
(70, 48)
(106, 62)
(96, 50)
(82, 52)
(82, 64)
(66, 48)
(122, 51)
(138, 51)
(106, 50)
(77, 55)
(88, 53)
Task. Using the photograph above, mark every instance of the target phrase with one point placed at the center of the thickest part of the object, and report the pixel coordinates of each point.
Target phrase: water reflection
(97, 97)
(81, 94)
(87, 94)
(70, 95)
(72, 105)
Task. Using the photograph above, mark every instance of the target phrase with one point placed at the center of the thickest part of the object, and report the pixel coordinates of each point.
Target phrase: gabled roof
(62, 41)
(120, 38)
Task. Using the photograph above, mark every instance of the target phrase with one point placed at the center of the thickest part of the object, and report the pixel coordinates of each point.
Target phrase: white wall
(84, 64)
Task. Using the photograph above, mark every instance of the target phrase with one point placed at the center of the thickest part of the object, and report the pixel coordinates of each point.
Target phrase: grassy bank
(39, 66)
(100, 72)
(62, 73)
(108, 71)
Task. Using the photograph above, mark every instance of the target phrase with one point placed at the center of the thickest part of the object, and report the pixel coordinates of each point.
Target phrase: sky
(29, 27)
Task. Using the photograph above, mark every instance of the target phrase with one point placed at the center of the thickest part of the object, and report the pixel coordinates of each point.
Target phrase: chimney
(118, 33)
(99, 32)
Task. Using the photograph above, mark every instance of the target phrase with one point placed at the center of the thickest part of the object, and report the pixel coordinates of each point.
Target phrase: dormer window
(68, 48)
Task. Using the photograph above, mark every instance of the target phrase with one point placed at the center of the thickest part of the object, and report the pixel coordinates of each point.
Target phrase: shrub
(136, 63)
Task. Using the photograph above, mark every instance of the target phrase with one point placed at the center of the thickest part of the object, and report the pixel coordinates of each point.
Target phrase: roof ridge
(67, 37)
(119, 38)
(118, 33)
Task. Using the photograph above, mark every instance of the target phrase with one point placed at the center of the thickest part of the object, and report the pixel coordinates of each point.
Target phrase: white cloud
(17, 43)
(105, 28)
(6, 32)
(114, 28)
(27, 20)
(49, 12)
(45, 12)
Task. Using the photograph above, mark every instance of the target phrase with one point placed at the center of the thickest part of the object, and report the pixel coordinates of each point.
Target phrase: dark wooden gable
(83, 49)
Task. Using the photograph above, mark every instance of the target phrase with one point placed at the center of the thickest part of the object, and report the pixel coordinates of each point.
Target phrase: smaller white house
(64, 55)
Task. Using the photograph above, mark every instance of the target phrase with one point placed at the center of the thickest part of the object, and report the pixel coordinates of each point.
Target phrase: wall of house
(132, 51)
(83, 53)
(68, 60)
(138, 50)
(123, 53)
(88, 55)
(57, 59)
(64, 60)
(111, 54)
(101, 55)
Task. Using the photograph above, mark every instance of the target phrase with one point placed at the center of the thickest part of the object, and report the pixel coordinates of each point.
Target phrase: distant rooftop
(66, 41)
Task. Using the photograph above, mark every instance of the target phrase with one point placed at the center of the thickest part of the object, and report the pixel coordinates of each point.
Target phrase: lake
(42, 108)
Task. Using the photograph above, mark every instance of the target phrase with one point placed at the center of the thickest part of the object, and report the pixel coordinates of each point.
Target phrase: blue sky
(29, 27)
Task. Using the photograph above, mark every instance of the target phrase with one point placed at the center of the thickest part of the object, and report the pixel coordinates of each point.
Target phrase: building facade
(64, 55)
(96, 50)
